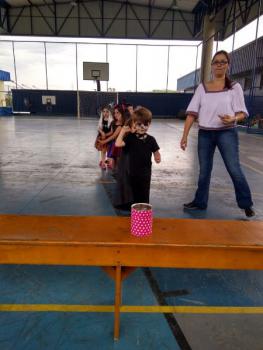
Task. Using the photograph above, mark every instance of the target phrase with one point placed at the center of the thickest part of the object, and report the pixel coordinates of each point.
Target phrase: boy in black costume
(140, 146)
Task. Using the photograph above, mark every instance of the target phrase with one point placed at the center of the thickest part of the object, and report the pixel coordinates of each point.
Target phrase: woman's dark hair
(228, 81)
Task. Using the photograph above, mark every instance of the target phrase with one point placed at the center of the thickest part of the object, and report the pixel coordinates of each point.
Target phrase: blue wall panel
(4, 76)
(5, 111)
(159, 103)
(31, 101)
(66, 101)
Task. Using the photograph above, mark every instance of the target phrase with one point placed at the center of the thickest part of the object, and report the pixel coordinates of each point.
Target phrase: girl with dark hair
(123, 197)
(218, 105)
(112, 152)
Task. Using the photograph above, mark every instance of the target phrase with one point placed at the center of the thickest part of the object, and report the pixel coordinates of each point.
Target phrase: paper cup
(141, 219)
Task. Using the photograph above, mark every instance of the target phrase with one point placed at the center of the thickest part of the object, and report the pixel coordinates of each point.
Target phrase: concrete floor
(49, 166)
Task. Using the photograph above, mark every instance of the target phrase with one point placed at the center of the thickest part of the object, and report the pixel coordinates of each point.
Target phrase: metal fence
(133, 67)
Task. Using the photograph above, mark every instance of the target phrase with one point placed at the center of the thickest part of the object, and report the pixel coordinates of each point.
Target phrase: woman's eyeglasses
(221, 63)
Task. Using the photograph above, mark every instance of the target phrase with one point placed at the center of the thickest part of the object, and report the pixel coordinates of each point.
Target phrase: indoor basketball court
(72, 274)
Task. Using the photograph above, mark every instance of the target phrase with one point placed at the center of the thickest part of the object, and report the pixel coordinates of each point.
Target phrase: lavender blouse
(208, 105)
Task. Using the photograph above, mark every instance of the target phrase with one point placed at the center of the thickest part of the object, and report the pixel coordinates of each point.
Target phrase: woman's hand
(228, 119)
(183, 143)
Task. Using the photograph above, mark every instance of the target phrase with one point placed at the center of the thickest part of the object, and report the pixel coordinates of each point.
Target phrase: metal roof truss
(124, 19)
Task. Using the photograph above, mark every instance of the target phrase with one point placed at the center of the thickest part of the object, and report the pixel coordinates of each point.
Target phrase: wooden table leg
(117, 303)
(125, 271)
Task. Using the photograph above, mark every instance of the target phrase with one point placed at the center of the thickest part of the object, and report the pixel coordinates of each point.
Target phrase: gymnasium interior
(72, 276)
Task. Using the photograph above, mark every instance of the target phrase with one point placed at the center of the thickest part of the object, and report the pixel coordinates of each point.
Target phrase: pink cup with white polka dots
(141, 219)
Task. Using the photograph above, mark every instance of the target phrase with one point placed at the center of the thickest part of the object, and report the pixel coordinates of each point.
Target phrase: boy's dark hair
(142, 114)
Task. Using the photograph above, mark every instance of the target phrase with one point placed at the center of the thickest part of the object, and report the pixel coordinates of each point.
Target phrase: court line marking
(132, 309)
(251, 167)
(241, 162)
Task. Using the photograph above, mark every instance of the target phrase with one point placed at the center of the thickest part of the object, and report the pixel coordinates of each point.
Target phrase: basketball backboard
(95, 71)
(49, 100)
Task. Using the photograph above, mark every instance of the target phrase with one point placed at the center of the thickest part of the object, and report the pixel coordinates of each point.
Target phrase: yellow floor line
(56, 308)
(195, 309)
(130, 309)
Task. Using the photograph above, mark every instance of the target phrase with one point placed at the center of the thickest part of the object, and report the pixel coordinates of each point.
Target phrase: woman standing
(219, 105)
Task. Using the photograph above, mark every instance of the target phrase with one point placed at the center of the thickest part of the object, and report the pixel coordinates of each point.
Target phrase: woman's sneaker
(192, 206)
(250, 212)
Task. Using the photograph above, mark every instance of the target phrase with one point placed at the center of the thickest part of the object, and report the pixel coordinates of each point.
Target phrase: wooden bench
(107, 242)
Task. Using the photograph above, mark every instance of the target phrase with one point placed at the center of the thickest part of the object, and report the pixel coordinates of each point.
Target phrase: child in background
(140, 146)
(117, 124)
(105, 130)
(123, 198)
(129, 108)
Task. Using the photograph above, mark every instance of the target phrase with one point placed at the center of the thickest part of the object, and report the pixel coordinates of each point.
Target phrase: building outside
(241, 70)
(4, 76)
(244, 66)
(5, 98)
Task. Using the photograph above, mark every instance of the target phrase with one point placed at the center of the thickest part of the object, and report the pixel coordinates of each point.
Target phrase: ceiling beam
(145, 6)
(129, 17)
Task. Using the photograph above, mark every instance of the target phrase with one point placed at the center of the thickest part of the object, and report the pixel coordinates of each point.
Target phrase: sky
(152, 63)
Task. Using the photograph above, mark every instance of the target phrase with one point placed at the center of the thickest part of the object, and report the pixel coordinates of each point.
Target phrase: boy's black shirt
(140, 153)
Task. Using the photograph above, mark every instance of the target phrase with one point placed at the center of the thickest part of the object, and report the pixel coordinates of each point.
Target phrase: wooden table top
(80, 230)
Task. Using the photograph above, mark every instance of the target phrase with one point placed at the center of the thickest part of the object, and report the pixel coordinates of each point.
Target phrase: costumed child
(123, 197)
(140, 146)
(105, 129)
(113, 153)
